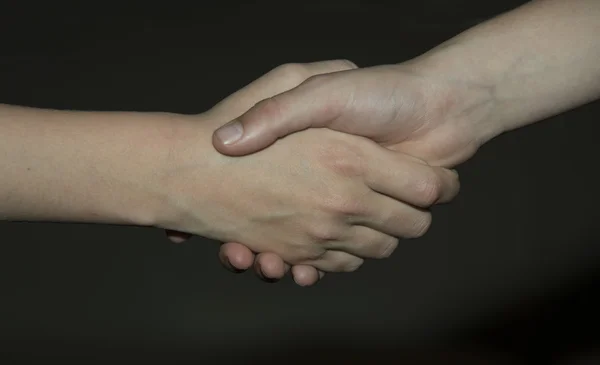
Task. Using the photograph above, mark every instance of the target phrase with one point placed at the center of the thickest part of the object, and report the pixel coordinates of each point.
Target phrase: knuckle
(316, 80)
(420, 226)
(342, 159)
(269, 108)
(292, 73)
(346, 64)
(312, 253)
(324, 232)
(345, 205)
(345, 166)
(429, 189)
(336, 65)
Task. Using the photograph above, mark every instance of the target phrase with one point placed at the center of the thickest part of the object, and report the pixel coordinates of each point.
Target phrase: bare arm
(537, 61)
(313, 195)
(518, 68)
(82, 166)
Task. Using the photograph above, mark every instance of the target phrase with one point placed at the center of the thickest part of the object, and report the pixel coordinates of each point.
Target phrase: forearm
(99, 167)
(535, 61)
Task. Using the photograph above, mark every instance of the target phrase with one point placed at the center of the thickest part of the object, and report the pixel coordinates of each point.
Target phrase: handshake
(311, 168)
(322, 165)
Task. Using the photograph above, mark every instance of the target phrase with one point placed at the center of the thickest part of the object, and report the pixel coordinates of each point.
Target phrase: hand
(443, 105)
(406, 107)
(403, 107)
(319, 198)
(235, 256)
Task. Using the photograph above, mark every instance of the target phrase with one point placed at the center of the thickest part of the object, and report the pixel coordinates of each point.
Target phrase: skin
(320, 192)
(521, 67)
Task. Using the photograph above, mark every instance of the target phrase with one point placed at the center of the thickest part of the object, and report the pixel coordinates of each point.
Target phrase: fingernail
(230, 132)
(230, 267)
(265, 278)
(235, 270)
(270, 280)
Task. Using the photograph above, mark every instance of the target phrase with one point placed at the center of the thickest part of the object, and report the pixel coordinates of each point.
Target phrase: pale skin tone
(519, 68)
(332, 198)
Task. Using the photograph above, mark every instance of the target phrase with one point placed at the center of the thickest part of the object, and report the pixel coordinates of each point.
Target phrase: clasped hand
(317, 198)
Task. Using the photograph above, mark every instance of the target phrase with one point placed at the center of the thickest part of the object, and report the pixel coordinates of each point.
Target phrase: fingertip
(236, 256)
(176, 236)
(248, 144)
(255, 139)
(270, 266)
(305, 275)
(176, 239)
(450, 187)
(453, 175)
(222, 141)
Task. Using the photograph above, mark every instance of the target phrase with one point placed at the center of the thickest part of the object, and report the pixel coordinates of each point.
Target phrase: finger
(276, 81)
(392, 217)
(276, 272)
(311, 104)
(236, 257)
(365, 242)
(176, 236)
(305, 275)
(410, 180)
(270, 267)
(336, 261)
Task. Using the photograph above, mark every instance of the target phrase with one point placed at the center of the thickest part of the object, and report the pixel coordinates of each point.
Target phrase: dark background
(508, 270)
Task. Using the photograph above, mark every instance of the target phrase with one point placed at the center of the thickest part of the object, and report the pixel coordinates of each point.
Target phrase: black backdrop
(509, 267)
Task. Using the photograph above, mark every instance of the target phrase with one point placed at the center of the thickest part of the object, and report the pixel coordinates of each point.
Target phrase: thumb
(313, 104)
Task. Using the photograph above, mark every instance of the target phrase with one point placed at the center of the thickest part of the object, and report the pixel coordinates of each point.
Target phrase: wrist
(128, 173)
(184, 189)
(172, 144)
(121, 173)
(469, 90)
